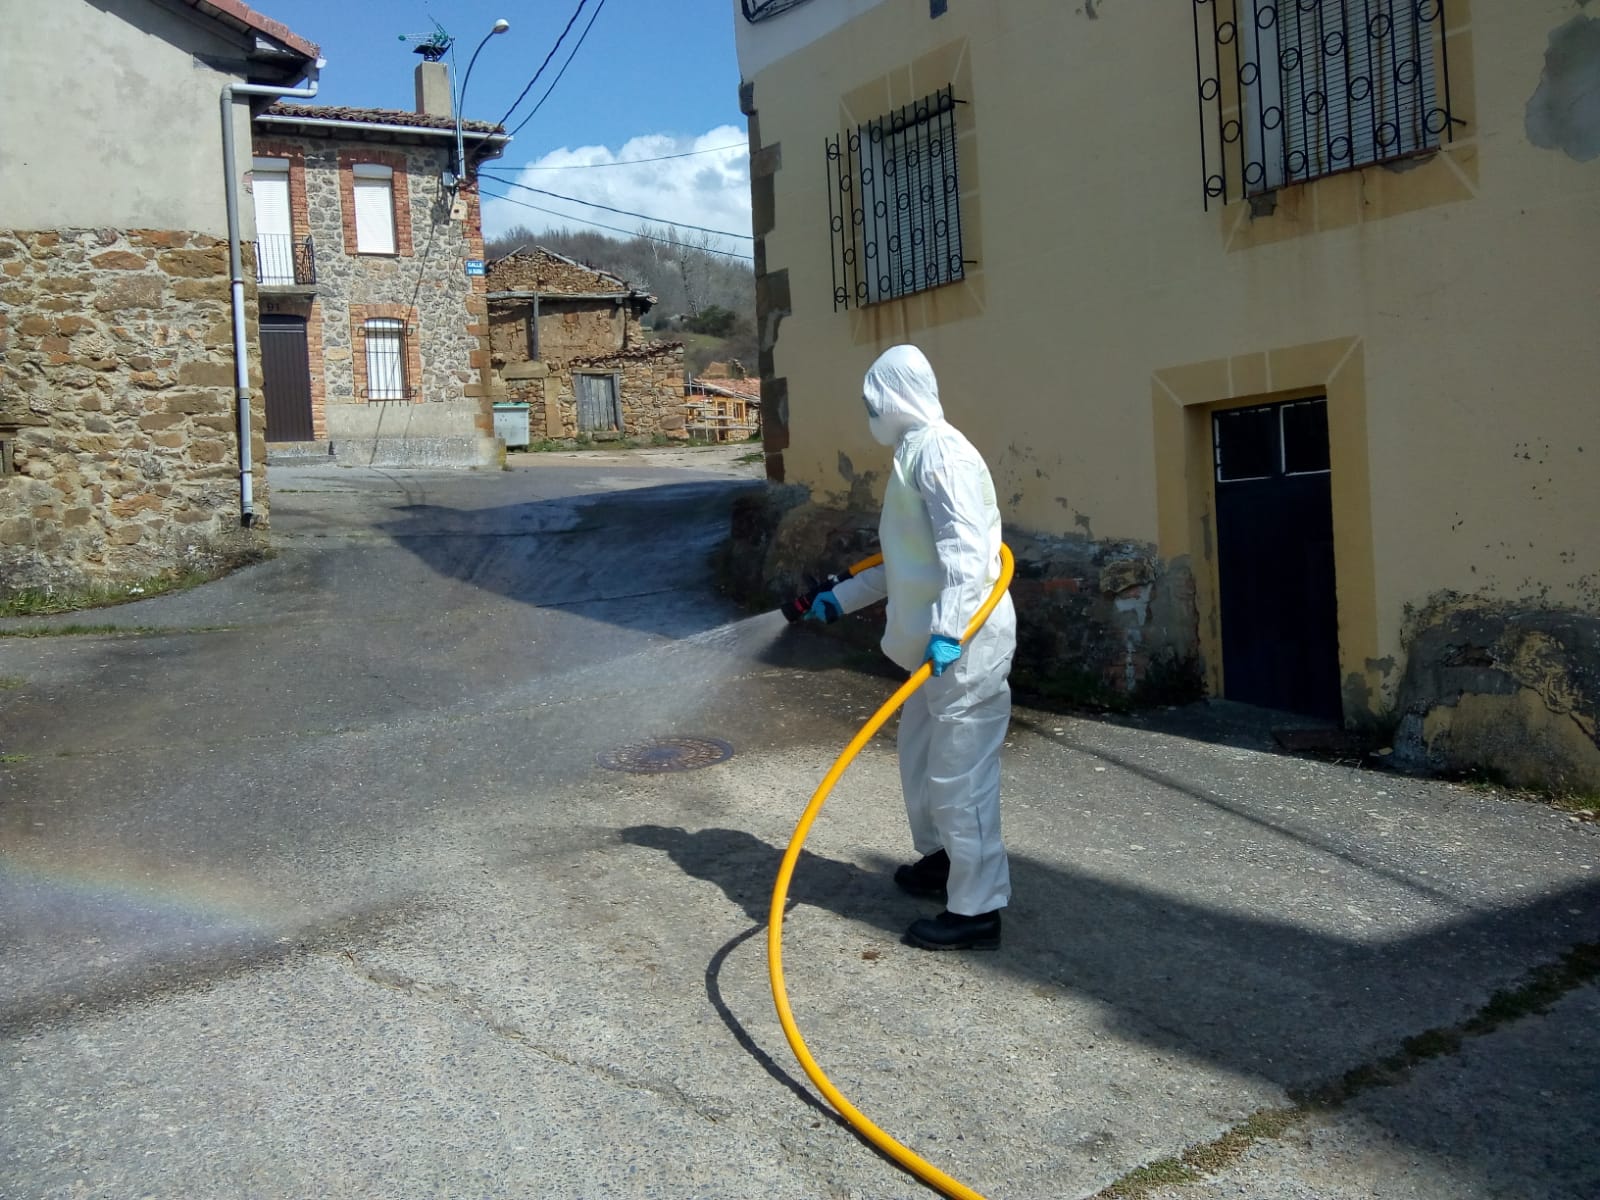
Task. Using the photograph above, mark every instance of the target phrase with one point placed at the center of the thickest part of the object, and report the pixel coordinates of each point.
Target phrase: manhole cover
(660, 755)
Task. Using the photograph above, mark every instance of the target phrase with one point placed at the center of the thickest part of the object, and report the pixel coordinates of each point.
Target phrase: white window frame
(375, 219)
(386, 347)
(274, 247)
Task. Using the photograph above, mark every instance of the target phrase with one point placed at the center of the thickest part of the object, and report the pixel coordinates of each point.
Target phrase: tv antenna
(433, 45)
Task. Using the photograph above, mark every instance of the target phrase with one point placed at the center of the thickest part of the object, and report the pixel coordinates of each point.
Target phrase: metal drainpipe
(241, 361)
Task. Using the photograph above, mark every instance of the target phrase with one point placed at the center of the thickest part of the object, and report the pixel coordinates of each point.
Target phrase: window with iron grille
(1294, 90)
(386, 359)
(894, 191)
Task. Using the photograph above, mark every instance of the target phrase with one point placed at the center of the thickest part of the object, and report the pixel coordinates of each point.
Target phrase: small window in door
(373, 187)
(1305, 437)
(1246, 444)
(1279, 439)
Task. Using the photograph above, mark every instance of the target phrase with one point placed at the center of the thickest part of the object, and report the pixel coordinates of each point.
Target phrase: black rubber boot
(952, 931)
(926, 877)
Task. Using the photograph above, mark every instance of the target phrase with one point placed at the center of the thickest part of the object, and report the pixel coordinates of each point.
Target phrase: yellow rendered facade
(1448, 307)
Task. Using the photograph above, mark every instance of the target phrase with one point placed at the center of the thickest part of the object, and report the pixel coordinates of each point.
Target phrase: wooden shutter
(374, 203)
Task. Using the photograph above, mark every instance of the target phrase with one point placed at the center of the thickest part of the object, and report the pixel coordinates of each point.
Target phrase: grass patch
(10, 683)
(1205, 1159)
(13, 758)
(1141, 1181)
(76, 630)
(1171, 680)
(43, 602)
(1071, 690)
(1568, 799)
(1541, 988)
(655, 441)
(79, 630)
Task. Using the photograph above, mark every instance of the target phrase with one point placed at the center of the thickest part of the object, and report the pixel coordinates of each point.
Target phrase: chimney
(433, 89)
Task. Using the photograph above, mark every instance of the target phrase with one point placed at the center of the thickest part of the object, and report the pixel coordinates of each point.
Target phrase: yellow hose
(918, 1166)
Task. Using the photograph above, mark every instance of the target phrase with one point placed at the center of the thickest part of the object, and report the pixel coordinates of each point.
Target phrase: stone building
(120, 448)
(723, 403)
(374, 340)
(1296, 401)
(566, 340)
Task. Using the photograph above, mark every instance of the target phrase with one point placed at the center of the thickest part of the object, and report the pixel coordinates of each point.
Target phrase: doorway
(598, 410)
(286, 378)
(1275, 560)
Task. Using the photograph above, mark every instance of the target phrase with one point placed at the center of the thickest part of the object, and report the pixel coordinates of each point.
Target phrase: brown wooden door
(286, 378)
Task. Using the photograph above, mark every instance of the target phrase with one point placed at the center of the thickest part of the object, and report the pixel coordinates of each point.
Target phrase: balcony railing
(281, 261)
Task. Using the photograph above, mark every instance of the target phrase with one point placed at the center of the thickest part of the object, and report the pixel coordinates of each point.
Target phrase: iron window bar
(387, 342)
(1301, 89)
(756, 11)
(281, 261)
(894, 204)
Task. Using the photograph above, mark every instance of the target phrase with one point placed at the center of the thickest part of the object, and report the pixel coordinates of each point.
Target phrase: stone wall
(567, 328)
(1513, 693)
(1105, 624)
(650, 385)
(540, 271)
(117, 406)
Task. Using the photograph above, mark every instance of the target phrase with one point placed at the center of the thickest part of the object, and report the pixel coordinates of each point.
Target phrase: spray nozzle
(793, 610)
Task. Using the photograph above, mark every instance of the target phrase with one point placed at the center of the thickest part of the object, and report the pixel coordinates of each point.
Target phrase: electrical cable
(617, 228)
(629, 162)
(573, 20)
(564, 66)
(619, 211)
(908, 1159)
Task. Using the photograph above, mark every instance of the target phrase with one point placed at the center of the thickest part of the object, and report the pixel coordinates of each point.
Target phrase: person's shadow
(1293, 1003)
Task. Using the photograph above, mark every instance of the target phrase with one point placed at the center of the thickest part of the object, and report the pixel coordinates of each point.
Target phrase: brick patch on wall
(360, 314)
(402, 196)
(299, 213)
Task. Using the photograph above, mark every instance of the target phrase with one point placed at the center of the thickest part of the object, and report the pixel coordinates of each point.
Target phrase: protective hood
(901, 394)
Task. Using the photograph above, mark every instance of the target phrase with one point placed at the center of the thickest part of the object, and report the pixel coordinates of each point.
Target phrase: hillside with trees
(705, 300)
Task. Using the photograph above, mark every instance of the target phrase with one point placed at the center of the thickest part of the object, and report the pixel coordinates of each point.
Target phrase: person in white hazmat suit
(940, 537)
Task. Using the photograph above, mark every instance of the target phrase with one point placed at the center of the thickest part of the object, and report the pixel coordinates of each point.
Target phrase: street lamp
(500, 26)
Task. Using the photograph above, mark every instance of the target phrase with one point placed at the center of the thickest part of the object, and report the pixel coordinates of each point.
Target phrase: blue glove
(826, 608)
(942, 651)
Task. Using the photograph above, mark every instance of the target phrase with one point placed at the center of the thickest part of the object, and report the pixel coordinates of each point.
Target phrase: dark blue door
(1280, 620)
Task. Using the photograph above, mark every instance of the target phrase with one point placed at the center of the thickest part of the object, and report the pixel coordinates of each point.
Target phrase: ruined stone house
(566, 340)
(120, 423)
(723, 403)
(373, 318)
(1294, 405)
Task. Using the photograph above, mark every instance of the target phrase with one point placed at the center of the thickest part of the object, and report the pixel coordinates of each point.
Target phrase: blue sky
(653, 78)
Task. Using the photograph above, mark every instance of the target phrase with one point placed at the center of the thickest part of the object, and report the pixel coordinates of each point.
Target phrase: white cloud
(706, 189)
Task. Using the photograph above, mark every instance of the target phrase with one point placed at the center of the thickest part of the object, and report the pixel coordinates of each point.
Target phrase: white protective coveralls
(940, 536)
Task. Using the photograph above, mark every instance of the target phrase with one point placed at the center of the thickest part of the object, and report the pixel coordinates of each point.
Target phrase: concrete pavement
(322, 891)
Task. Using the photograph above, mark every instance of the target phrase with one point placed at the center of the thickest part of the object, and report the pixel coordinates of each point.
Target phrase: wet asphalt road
(314, 887)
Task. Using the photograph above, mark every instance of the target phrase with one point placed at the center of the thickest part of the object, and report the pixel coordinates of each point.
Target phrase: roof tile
(376, 116)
